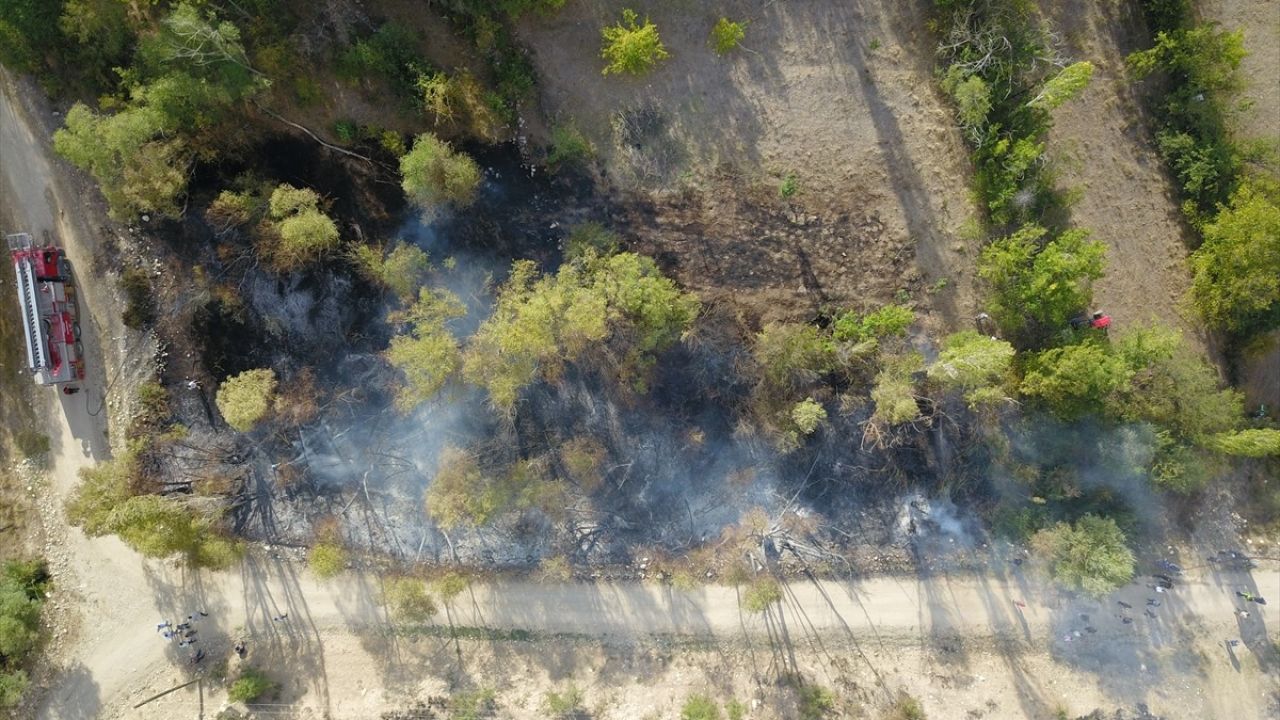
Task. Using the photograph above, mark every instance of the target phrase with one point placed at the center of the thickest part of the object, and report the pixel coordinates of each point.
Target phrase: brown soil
(840, 95)
(1260, 69)
(1102, 145)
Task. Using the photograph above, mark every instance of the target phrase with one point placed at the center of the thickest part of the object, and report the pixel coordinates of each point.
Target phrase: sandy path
(116, 657)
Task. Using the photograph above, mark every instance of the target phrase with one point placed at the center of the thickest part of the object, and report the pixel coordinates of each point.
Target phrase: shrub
(888, 321)
(791, 356)
(789, 186)
(409, 600)
(699, 707)
(565, 705)
(433, 173)
(1091, 555)
(590, 237)
(630, 46)
(974, 364)
(327, 560)
(250, 686)
(1062, 87)
(569, 147)
(761, 594)
(808, 415)
(245, 399)
(815, 702)
(583, 458)
(906, 708)
(139, 304)
(726, 35)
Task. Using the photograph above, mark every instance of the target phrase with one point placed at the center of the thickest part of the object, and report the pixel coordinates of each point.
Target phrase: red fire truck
(47, 301)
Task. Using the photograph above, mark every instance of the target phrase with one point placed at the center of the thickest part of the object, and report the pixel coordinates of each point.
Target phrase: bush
(699, 707)
(815, 702)
(590, 237)
(246, 398)
(761, 595)
(402, 271)
(888, 321)
(1091, 556)
(726, 35)
(409, 600)
(808, 415)
(327, 560)
(974, 364)
(630, 46)
(139, 304)
(789, 186)
(894, 391)
(434, 174)
(569, 147)
(252, 685)
(565, 705)
(906, 708)
(791, 356)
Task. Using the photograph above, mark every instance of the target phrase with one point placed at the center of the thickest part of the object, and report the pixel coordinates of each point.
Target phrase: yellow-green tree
(631, 46)
(618, 306)
(433, 173)
(427, 354)
(305, 232)
(245, 399)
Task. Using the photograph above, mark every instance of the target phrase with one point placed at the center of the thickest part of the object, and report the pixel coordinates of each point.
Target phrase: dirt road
(333, 635)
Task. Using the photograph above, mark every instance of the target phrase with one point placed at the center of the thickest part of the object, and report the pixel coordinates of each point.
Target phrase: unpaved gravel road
(112, 598)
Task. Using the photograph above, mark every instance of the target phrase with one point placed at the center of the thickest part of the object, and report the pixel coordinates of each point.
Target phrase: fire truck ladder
(30, 302)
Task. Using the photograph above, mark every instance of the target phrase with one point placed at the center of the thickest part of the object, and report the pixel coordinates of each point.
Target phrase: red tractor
(47, 302)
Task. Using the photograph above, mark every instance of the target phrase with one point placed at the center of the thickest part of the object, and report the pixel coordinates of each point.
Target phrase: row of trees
(1230, 189)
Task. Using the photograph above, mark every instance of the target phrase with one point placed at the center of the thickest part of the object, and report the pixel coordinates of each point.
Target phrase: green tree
(28, 33)
(428, 354)
(1091, 555)
(1173, 387)
(1204, 58)
(972, 96)
(700, 707)
(1037, 286)
(252, 685)
(136, 172)
(1077, 379)
(974, 364)
(1236, 284)
(409, 600)
(246, 398)
(631, 46)
(1254, 443)
(1062, 87)
(761, 594)
(727, 35)
(433, 173)
(403, 270)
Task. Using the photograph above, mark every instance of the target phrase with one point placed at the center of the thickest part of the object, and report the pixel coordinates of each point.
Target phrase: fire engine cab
(47, 302)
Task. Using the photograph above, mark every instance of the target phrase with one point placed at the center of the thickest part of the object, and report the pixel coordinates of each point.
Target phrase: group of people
(184, 633)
